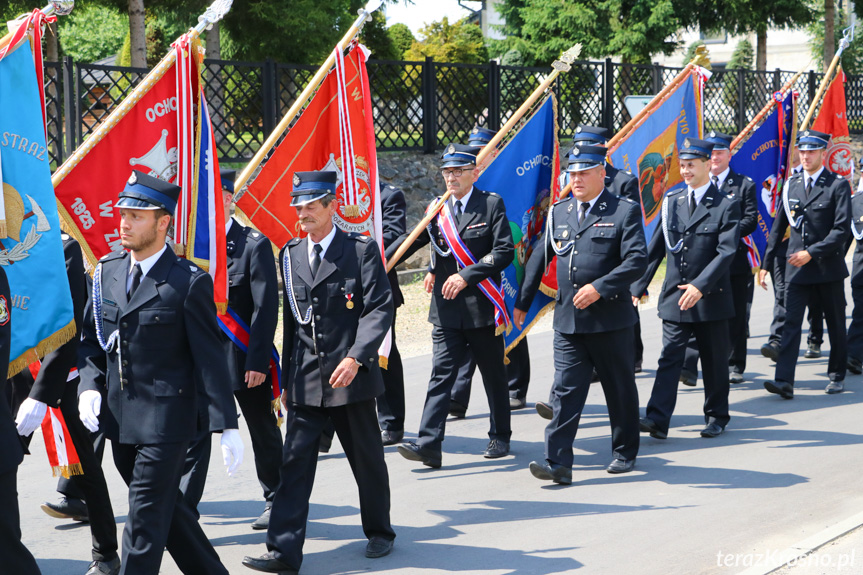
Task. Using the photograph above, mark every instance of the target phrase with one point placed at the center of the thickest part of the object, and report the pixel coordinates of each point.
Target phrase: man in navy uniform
(56, 385)
(337, 310)
(461, 314)
(697, 233)
(817, 209)
(15, 556)
(391, 403)
(518, 368)
(855, 330)
(599, 239)
(150, 338)
(253, 294)
(741, 188)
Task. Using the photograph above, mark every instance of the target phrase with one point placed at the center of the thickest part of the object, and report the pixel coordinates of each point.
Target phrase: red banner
(145, 139)
(832, 119)
(314, 143)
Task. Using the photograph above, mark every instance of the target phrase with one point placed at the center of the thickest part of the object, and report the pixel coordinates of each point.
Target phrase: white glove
(89, 407)
(30, 416)
(232, 450)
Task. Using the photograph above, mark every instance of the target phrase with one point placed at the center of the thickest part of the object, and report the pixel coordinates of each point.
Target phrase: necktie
(692, 204)
(808, 186)
(136, 279)
(715, 180)
(458, 211)
(583, 212)
(316, 259)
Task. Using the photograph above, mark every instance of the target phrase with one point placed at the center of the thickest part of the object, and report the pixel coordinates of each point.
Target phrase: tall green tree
(740, 17)
(459, 42)
(633, 30)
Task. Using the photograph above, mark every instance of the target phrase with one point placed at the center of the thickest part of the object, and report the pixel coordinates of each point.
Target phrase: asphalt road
(783, 472)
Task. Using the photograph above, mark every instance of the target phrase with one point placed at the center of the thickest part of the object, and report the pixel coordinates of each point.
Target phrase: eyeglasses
(458, 172)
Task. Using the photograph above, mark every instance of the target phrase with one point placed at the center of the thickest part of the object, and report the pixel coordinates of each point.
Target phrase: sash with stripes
(238, 332)
(449, 230)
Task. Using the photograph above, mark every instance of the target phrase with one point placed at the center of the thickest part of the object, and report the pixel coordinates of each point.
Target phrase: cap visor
(136, 204)
(307, 199)
(581, 166)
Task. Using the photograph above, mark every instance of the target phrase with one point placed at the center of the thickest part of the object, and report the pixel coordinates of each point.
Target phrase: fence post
(269, 94)
(813, 86)
(777, 80)
(429, 92)
(69, 88)
(741, 99)
(493, 95)
(657, 78)
(608, 95)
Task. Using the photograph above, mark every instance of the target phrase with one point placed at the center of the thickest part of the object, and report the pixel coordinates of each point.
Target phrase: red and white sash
(462, 255)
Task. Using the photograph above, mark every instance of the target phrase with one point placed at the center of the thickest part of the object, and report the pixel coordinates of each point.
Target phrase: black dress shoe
(712, 430)
(621, 466)
(269, 564)
(544, 410)
(770, 350)
(325, 443)
(835, 387)
(813, 351)
(263, 521)
(496, 448)
(646, 425)
(111, 567)
(389, 437)
(457, 410)
(594, 377)
(688, 378)
(551, 472)
(378, 547)
(781, 388)
(414, 452)
(637, 368)
(68, 508)
(516, 403)
(855, 366)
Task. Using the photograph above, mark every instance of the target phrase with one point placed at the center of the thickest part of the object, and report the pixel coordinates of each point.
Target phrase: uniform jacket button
(125, 343)
(157, 319)
(124, 325)
(575, 252)
(322, 354)
(314, 300)
(180, 391)
(125, 363)
(578, 237)
(317, 318)
(686, 249)
(320, 336)
(124, 381)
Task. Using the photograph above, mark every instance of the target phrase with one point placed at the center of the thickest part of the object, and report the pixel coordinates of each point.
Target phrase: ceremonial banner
(524, 174)
(649, 150)
(207, 214)
(765, 158)
(832, 119)
(32, 251)
(318, 141)
(144, 138)
(335, 133)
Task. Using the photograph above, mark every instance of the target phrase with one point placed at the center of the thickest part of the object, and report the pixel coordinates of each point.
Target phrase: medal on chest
(349, 304)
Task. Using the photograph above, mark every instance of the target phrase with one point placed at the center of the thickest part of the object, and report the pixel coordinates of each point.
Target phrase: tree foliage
(460, 42)
(633, 30)
(743, 57)
(852, 57)
(402, 39)
(91, 33)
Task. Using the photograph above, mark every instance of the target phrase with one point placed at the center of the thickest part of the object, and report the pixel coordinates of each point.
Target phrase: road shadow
(60, 566)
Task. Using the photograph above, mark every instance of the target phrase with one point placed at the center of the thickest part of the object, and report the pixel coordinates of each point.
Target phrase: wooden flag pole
(844, 43)
(701, 58)
(764, 111)
(55, 8)
(365, 14)
(562, 65)
(213, 14)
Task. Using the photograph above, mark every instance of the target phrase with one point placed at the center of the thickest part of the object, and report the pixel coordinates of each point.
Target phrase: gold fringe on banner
(67, 471)
(3, 233)
(42, 348)
(644, 299)
(351, 211)
(277, 406)
(383, 362)
(552, 293)
(523, 334)
(180, 250)
(222, 307)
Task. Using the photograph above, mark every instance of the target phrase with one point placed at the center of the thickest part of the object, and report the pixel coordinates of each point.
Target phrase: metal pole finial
(215, 12)
(62, 7)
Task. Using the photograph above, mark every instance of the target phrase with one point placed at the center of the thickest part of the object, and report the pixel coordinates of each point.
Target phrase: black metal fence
(417, 105)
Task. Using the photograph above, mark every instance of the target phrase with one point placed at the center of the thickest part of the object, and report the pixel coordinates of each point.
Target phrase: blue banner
(522, 173)
(32, 254)
(649, 151)
(764, 157)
